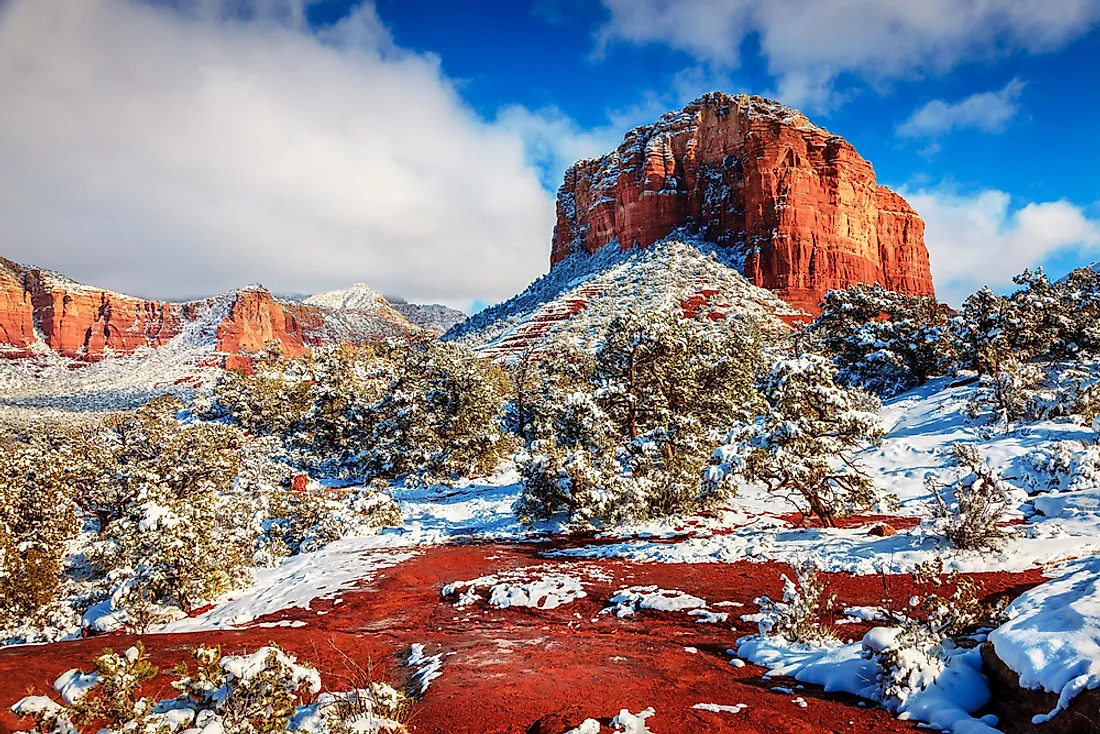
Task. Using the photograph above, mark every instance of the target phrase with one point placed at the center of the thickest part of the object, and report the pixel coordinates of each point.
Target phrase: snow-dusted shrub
(305, 521)
(1061, 466)
(801, 447)
(376, 708)
(798, 617)
(257, 693)
(186, 537)
(37, 518)
(910, 654)
(626, 433)
(1042, 321)
(883, 341)
(973, 517)
(1010, 394)
(113, 688)
(270, 398)
(264, 692)
(415, 408)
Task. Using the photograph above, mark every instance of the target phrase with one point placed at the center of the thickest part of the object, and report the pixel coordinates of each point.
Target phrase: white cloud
(980, 239)
(173, 154)
(808, 43)
(986, 111)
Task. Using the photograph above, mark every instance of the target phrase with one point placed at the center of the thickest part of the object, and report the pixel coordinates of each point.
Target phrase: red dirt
(855, 521)
(536, 671)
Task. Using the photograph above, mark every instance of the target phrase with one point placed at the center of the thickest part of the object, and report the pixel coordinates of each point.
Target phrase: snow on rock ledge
(1052, 641)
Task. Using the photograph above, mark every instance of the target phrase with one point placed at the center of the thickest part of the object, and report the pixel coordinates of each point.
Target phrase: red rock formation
(38, 307)
(16, 311)
(256, 319)
(748, 173)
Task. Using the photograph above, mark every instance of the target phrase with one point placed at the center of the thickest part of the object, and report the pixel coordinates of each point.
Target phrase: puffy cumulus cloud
(986, 111)
(807, 44)
(183, 150)
(980, 239)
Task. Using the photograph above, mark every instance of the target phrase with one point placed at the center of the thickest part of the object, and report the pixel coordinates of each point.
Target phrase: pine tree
(626, 433)
(800, 448)
(884, 341)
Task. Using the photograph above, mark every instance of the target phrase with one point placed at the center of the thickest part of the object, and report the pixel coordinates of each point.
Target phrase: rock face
(39, 308)
(799, 204)
(434, 317)
(1014, 705)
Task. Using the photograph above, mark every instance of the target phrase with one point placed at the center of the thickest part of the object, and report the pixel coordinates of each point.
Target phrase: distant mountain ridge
(42, 310)
(434, 317)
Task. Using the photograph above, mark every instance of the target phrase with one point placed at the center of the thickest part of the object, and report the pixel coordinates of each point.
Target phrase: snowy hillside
(433, 317)
(584, 292)
(358, 297)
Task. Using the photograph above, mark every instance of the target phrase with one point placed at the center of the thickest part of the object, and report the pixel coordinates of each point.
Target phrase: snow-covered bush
(186, 538)
(264, 692)
(910, 654)
(798, 617)
(440, 414)
(37, 518)
(1010, 393)
(626, 433)
(305, 521)
(973, 517)
(883, 341)
(801, 447)
(270, 398)
(1061, 466)
(1042, 320)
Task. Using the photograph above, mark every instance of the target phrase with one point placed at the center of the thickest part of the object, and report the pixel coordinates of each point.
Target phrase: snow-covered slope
(433, 316)
(585, 292)
(358, 297)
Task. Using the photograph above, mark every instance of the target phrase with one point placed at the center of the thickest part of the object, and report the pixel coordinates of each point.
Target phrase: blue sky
(179, 148)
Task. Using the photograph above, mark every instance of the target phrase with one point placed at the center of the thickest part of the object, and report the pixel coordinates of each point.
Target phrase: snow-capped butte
(358, 297)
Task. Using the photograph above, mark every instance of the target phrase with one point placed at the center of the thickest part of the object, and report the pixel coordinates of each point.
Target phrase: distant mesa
(44, 311)
(799, 209)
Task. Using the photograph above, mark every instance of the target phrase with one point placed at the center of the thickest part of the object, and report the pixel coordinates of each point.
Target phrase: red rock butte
(749, 173)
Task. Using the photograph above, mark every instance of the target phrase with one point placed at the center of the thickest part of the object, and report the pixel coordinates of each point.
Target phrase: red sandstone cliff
(751, 174)
(40, 308)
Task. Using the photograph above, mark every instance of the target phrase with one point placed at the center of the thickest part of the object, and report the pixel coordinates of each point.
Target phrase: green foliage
(414, 407)
(883, 341)
(37, 518)
(801, 446)
(625, 434)
(270, 399)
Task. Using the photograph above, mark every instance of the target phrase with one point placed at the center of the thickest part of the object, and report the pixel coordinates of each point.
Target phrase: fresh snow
(548, 591)
(1052, 639)
(947, 703)
(427, 667)
(720, 708)
(358, 297)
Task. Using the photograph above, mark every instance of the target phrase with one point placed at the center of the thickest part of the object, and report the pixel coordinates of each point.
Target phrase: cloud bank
(985, 111)
(979, 239)
(807, 44)
(177, 151)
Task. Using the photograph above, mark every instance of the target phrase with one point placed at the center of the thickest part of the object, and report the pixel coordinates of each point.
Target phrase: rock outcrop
(41, 309)
(1014, 706)
(799, 204)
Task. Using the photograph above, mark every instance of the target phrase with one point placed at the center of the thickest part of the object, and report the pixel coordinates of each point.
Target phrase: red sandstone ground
(537, 671)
